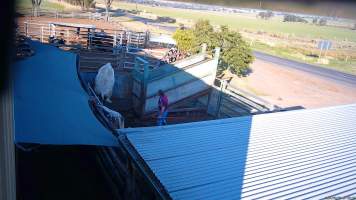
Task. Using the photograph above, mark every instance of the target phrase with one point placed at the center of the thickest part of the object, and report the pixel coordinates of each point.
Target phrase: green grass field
(26, 4)
(347, 66)
(239, 21)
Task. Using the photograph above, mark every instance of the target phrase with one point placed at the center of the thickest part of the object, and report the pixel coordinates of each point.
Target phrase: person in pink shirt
(162, 108)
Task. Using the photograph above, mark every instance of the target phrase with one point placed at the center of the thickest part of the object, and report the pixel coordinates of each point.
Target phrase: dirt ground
(287, 87)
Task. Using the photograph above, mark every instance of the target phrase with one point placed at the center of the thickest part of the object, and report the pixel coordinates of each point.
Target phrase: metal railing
(63, 14)
(236, 102)
(89, 38)
(119, 47)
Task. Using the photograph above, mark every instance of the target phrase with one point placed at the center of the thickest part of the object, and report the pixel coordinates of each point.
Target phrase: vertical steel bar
(42, 34)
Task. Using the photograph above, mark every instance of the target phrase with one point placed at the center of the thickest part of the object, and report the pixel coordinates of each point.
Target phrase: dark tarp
(50, 105)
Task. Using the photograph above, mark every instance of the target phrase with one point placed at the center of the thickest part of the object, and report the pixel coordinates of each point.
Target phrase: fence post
(89, 40)
(67, 34)
(128, 39)
(42, 34)
(121, 35)
(26, 29)
(221, 95)
(146, 39)
(114, 42)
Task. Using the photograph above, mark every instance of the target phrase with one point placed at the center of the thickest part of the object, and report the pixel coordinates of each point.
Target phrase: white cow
(104, 82)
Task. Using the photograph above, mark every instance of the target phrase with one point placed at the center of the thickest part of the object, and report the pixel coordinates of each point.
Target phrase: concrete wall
(189, 61)
(180, 77)
(180, 92)
(181, 84)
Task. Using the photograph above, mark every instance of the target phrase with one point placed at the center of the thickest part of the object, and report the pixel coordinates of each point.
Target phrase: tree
(236, 54)
(36, 7)
(186, 40)
(107, 8)
(204, 33)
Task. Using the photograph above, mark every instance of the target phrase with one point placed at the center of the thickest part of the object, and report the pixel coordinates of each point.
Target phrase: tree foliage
(236, 54)
(204, 33)
(186, 40)
(294, 18)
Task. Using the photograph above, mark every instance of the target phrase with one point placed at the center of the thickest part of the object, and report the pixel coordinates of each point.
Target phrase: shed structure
(303, 154)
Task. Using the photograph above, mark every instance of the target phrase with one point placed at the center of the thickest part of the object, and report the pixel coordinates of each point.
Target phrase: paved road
(339, 77)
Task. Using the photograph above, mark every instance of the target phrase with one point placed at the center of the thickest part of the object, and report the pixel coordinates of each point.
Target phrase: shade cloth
(50, 105)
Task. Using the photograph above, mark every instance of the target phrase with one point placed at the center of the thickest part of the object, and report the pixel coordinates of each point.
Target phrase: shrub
(294, 18)
(322, 22)
(265, 15)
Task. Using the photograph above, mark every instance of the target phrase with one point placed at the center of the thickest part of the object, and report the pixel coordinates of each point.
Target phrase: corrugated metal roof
(304, 154)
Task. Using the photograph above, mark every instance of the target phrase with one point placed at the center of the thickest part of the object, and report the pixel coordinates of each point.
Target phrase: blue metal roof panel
(50, 105)
(296, 154)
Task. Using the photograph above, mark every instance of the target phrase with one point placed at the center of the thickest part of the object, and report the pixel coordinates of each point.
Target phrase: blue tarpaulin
(50, 105)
